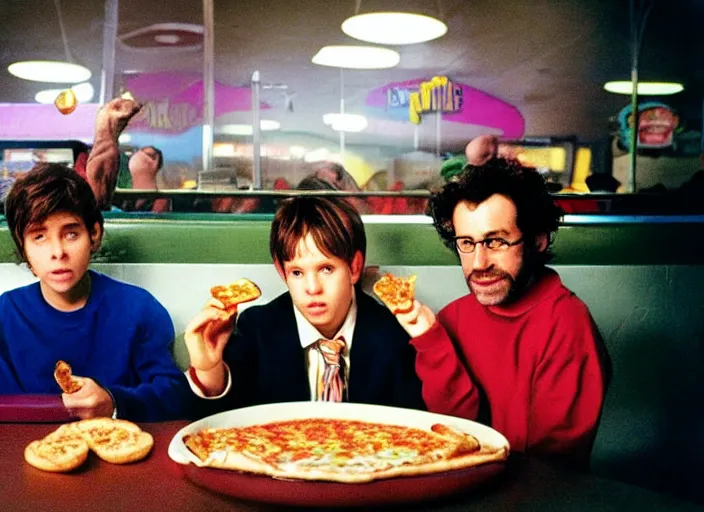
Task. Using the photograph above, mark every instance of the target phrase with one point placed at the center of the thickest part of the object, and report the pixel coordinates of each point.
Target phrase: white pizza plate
(310, 493)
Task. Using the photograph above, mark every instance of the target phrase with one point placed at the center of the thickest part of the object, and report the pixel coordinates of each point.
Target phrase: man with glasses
(520, 352)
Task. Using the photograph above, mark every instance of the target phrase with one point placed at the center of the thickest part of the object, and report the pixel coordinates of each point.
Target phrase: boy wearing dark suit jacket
(324, 339)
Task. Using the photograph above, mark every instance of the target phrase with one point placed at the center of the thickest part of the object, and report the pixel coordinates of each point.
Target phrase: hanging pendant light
(644, 88)
(52, 71)
(395, 23)
(49, 71)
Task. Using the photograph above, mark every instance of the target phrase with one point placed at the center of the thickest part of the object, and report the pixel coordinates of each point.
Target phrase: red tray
(33, 409)
(300, 493)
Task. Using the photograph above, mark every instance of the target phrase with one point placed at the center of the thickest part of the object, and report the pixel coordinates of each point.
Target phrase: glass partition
(291, 114)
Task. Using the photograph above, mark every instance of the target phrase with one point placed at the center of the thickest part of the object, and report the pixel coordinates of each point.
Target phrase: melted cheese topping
(336, 445)
(395, 291)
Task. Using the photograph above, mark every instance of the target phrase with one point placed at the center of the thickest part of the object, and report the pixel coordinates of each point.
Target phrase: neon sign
(439, 94)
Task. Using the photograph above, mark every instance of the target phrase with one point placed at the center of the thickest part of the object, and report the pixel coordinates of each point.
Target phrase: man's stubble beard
(518, 285)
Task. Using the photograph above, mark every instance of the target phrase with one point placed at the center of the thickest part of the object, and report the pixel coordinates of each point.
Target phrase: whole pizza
(339, 450)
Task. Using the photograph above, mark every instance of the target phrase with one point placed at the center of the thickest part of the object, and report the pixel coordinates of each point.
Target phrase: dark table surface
(157, 483)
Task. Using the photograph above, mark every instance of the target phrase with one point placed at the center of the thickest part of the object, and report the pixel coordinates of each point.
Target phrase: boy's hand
(91, 401)
(418, 320)
(207, 334)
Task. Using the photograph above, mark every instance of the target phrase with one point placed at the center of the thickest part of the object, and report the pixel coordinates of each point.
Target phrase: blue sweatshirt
(121, 338)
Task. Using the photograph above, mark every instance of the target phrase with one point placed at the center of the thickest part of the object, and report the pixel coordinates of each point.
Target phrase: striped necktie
(331, 385)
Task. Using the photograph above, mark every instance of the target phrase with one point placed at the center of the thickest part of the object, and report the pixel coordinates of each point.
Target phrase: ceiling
(549, 59)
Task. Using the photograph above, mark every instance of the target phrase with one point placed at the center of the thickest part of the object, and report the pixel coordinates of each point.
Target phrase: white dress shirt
(308, 335)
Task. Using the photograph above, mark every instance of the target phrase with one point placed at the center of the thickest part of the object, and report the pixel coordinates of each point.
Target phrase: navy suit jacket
(268, 364)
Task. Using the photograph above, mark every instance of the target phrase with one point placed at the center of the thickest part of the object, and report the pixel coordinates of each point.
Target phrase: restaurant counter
(157, 483)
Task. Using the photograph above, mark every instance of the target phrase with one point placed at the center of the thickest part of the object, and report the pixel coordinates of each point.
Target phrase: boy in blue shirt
(115, 335)
(324, 339)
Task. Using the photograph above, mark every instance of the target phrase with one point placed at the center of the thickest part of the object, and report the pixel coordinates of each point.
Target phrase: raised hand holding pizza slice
(398, 294)
(209, 331)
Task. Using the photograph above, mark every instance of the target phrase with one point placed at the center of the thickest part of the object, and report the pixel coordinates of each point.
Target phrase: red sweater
(536, 361)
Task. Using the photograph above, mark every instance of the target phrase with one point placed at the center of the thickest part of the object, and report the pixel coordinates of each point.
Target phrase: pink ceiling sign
(466, 105)
(33, 121)
(173, 102)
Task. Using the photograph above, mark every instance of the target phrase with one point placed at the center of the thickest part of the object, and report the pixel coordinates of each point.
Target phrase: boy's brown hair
(334, 224)
(46, 189)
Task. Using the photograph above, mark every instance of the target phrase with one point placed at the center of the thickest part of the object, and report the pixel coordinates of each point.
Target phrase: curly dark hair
(537, 213)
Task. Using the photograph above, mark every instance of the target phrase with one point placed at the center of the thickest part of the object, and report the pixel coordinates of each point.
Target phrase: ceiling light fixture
(84, 93)
(345, 122)
(49, 71)
(396, 21)
(356, 57)
(266, 125)
(167, 38)
(394, 27)
(644, 88)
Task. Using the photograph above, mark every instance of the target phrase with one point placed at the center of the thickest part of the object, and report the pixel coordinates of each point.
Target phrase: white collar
(308, 334)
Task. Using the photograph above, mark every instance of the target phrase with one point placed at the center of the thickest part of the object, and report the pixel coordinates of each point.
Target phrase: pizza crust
(239, 462)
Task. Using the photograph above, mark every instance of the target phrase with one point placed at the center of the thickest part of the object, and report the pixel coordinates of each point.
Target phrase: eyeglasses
(466, 245)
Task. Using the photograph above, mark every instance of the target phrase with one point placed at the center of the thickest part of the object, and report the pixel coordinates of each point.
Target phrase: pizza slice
(231, 295)
(65, 379)
(397, 293)
(115, 441)
(348, 451)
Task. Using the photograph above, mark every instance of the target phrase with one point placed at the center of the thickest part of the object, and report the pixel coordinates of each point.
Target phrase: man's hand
(418, 320)
(91, 401)
(206, 336)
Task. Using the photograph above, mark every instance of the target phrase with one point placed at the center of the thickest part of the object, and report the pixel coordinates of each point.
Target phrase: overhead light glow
(222, 149)
(345, 122)
(49, 71)
(393, 28)
(167, 38)
(357, 57)
(297, 151)
(644, 88)
(124, 138)
(317, 155)
(84, 93)
(266, 125)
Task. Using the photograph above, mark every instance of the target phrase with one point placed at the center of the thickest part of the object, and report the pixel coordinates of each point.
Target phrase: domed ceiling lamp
(396, 22)
(51, 71)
